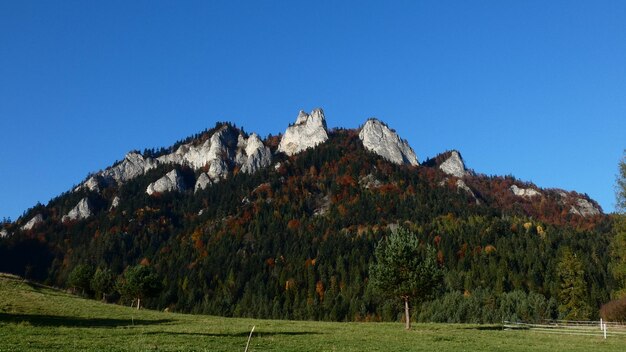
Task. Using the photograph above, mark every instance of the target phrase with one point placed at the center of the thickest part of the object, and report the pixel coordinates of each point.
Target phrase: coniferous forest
(295, 240)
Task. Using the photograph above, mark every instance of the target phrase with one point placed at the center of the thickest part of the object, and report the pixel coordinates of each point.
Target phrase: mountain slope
(291, 236)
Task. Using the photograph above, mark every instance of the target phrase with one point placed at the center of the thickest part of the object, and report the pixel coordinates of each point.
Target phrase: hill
(285, 228)
(38, 318)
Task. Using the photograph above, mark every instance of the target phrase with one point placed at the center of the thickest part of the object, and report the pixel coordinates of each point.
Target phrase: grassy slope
(36, 318)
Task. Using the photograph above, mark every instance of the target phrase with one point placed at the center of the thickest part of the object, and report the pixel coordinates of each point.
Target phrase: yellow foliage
(541, 231)
(490, 249)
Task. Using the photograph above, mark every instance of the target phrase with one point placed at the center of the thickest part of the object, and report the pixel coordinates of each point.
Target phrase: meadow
(39, 318)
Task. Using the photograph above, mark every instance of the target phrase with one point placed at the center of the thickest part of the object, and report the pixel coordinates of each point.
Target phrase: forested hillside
(294, 239)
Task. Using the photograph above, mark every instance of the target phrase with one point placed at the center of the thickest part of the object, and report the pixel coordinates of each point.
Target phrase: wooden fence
(569, 327)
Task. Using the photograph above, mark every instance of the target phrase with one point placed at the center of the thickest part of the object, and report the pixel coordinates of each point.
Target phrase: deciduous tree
(139, 282)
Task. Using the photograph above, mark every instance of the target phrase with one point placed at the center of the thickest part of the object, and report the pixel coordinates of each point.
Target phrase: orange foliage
(144, 262)
(342, 210)
(440, 257)
(346, 180)
(293, 224)
(489, 249)
(319, 289)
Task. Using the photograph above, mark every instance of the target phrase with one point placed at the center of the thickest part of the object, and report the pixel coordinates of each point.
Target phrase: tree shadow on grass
(235, 334)
(56, 320)
(485, 327)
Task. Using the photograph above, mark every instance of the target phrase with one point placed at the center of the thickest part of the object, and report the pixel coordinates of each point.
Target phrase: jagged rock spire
(380, 139)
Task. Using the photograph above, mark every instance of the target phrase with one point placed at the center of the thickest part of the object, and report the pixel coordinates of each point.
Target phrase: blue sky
(535, 89)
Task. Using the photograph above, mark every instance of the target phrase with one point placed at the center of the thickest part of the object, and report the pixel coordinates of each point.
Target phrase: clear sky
(535, 89)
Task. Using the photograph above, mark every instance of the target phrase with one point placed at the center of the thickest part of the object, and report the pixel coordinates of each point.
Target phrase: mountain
(285, 227)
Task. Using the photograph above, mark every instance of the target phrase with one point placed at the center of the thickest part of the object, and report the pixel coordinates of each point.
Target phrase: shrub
(614, 310)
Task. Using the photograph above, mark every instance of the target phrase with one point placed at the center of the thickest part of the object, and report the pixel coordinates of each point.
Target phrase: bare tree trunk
(138, 303)
(406, 314)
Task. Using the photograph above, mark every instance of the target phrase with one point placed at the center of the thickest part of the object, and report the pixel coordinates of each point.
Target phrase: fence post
(605, 331)
(601, 326)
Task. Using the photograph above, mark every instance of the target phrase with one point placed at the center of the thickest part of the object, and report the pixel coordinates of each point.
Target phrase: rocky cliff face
(82, 210)
(380, 139)
(584, 208)
(454, 165)
(202, 182)
(172, 181)
(221, 145)
(33, 222)
(226, 148)
(133, 165)
(308, 131)
(252, 154)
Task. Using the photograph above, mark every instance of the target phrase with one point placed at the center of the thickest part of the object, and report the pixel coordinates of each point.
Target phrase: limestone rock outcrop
(82, 210)
(380, 139)
(115, 203)
(454, 165)
(172, 181)
(252, 154)
(524, 192)
(220, 153)
(461, 185)
(133, 165)
(221, 145)
(202, 182)
(92, 184)
(584, 208)
(308, 131)
(33, 222)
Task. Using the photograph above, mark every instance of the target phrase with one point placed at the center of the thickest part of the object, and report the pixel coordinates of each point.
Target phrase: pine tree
(573, 288)
(405, 270)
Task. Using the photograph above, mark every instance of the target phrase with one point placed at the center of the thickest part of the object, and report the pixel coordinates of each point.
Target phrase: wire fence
(600, 328)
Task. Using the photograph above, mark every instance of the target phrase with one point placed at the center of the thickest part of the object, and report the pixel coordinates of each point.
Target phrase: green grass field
(37, 318)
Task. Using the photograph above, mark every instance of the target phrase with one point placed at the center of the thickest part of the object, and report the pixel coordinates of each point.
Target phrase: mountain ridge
(294, 238)
(249, 154)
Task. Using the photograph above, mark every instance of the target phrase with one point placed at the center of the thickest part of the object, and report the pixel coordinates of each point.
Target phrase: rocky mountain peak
(380, 139)
(454, 165)
(252, 154)
(308, 131)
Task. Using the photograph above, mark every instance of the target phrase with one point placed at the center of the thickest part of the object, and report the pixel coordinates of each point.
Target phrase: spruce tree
(404, 269)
